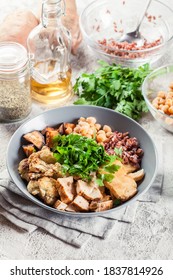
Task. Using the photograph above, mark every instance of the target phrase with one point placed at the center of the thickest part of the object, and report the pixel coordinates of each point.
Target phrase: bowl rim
(78, 214)
(95, 43)
(144, 86)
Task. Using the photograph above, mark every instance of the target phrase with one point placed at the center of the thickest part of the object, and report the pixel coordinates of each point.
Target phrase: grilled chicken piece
(28, 149)
(96, 194)
(66, 189)
(36, 138)
(23, 169)
(88, 190)
(138, 175)
(105, 205)
(80, 203)
(125, 168)
(48, 190)
(129, 168)
(50, 136)
(46, 155)
(59, 205)
(33, 187)
(71, 208)
(101, 206)
(122, 187)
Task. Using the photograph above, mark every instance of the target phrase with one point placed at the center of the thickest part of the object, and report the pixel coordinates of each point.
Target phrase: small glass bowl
(158, 80)
(103, 19)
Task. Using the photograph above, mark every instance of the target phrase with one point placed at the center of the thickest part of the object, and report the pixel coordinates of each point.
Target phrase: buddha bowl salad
(81, 167)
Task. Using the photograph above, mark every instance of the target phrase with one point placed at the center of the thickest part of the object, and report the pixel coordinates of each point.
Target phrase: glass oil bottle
(49, 48)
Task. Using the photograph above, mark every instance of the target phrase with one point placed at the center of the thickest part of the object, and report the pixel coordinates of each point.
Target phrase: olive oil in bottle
(49, 47)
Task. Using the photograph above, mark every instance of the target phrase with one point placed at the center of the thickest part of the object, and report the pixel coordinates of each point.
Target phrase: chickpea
(164, 101)
(77, 129)
(88, 135)
(170, 94)
(101, 131)
(170, 110)
(155, 105)
(165, 108)
(98, 126)
(107, 128)
(83, 124)
(91, 120)
(84, 131)
(91, 131)
(169, 102)
(108, 134)
(161, 94)
(160, 100)
(82, 119)
(160, 106)
(101, 138)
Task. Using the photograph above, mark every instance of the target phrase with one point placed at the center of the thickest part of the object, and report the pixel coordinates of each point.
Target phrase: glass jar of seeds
(15, 96)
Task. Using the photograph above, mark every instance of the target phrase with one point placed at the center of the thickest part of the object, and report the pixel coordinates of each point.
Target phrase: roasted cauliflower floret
(46, 155)
(23, 169)
(48, 190)
(33, 187)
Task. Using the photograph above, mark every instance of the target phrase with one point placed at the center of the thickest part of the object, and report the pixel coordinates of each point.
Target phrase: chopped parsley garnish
(80, 156)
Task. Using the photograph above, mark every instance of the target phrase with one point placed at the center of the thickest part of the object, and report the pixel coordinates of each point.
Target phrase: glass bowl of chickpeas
(157, 90)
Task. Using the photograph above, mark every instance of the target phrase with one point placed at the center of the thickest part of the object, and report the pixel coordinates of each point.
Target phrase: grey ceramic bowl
(70, 114)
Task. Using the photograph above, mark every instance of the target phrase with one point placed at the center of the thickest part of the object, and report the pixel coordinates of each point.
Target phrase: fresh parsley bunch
(114, 87)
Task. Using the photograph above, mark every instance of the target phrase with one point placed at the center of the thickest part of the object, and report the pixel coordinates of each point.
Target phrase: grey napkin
(74, 231)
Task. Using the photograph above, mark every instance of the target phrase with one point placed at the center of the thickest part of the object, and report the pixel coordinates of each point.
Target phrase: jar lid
(13, 56)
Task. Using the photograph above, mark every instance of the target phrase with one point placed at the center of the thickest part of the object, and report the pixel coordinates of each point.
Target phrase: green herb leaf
(115, 87)
(108, 177)
(99, 182)
(118, 151)
(112, 168)
(80, 156)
